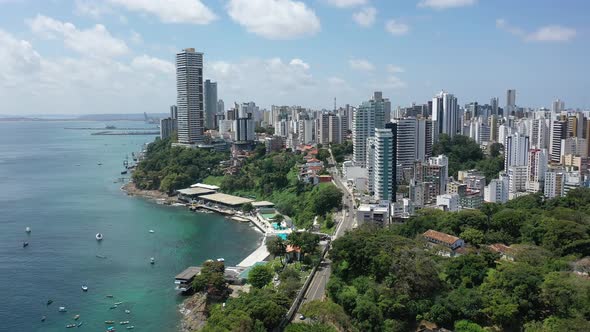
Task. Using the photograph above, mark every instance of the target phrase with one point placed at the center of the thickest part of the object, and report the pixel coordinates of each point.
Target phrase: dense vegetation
(341, 150)
(264, 307)
(168, 168)
(385, 281)
(464, 153)
(273, 177)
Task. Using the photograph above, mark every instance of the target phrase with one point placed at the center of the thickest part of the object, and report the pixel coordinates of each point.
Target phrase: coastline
(153, 195)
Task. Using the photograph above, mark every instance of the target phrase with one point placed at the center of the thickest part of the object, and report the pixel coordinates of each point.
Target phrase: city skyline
(83, 57)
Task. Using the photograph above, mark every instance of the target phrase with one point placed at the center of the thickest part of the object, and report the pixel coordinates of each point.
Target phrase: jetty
(258, 255)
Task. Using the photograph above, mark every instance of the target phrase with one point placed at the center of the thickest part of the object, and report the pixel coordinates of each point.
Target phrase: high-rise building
(189, 100)
(368, 116)
(243, 129)
(406, 142)
(494, 106)
(517, 180)
(574, 146)
(210, 103)
(380, 163)
(557, 107)
(536, 168)
(497, 190)
(220, 106)
(173, 112)
(423, 139)
(558, 133)
(516, 149)
(554, 183)
(445, 112)
(393, 128)
(510, 102)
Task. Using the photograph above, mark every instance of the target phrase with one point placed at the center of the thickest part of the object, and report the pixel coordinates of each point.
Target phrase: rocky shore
(154, 195)
(194, 312)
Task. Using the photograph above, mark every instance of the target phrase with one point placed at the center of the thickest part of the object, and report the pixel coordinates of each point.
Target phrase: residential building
(368, 116)
(517, 180)
(449, 202)
(210, 103)
(373, 213)
(402, 209)
(189, 87)
(383, 165)
(558, 133)
(406, 142)
(445, 112)
(168, 126)
(273, 143)
(497, 190)
(554, 183)
(516, 149)
(575, 146)
(439, 238)
(536, 168)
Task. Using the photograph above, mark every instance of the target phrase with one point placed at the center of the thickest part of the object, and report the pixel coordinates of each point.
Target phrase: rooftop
(189, 273)
(227, 199)
(262, 204)
(195, 191)
(205, 186)
(442, 237)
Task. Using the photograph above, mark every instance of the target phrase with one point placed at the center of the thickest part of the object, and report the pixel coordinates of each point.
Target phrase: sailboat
(98, 237)
(28, 229)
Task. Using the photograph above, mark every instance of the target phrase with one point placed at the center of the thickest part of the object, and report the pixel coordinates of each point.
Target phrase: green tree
(326, 198)
(275, 246)
(247, 208)
(307, 241)
(259, 276)
(473, 236)
(467, 326)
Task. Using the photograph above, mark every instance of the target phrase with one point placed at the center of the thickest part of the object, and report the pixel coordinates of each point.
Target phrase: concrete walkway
(258, 255)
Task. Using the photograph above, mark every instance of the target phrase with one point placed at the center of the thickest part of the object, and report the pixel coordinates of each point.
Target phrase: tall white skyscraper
(189, 99)
(516, 150)
(558, 133)
(380, 166)
(445, 112)
(368, 116)
(557, 107)
(406, 142)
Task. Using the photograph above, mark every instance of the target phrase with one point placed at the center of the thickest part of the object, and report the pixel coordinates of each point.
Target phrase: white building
(516, 150)
(450, 202)
(554, 183)
(402, 209)
(517, 179)
(368, 116)
(497, 190)
(380, 165)
(536, 168)
(189, 100)
(558, 133)
(373, 213)
(406, 149)
(445, 112)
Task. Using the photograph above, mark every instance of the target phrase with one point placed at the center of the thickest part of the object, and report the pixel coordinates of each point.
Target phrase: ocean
(65, 205)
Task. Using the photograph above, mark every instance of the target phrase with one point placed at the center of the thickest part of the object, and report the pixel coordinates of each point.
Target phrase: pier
(258, 255)
(125, 133)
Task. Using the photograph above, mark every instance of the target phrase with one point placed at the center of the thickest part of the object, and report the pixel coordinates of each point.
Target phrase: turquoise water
(66, 205)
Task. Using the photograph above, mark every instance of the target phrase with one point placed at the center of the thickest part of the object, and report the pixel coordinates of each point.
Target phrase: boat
(127, 311)
(123, 172)
(76, 317)
(77, 164)
(99, 164)
(130, 327)
(69, 326)
(28, 229)
(124, 322)
(43, 318)
(118, 303)
(221, 260)
(109, 322)
(111, 329)
(62, 309)
(49, 302)
(113, 307)
(80, 324)
(99, 237)
(101, 256)
(84, 288)
(25, 244)
(109, 296)
(152, 231)
(152, 261)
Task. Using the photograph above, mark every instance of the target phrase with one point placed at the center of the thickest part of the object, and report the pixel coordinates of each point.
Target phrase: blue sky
(116, 56)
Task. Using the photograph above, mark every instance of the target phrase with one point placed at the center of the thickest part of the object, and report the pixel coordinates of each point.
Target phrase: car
(301, 317)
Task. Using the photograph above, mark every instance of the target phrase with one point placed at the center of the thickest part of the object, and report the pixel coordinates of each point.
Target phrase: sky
(117, 56)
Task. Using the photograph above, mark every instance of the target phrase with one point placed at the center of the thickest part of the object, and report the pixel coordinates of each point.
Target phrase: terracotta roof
(499, 247)
(442, 237)
(291, 248)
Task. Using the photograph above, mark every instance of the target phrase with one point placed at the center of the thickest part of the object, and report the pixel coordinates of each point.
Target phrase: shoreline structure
(258, 255)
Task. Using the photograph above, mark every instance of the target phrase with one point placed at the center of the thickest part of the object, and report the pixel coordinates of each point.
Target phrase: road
(317, 287)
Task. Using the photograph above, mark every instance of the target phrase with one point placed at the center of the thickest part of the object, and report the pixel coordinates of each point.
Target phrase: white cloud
(549, 33)
(336, 81)
(361, 65)
(394, 69)
(552, 33)
(394, 82)
(260, 79)
(396, 28)
(365, 17)
(96, 41)
(136, 37)
(171, 11)
(346, 3)
(18, 60)
(149, 63)
(274, 19)
(445, 4)
(91, 8)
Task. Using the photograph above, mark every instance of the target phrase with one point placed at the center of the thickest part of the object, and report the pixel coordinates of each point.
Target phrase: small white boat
(98, 237)
(130, 327)
(118, 303)
(62, 309)
(152, 261)
(221, 259)
(84, 288)
(151, 231)
(124, 322)
(28, 229)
